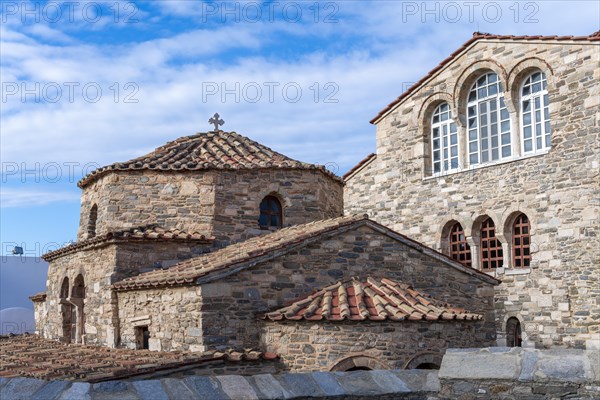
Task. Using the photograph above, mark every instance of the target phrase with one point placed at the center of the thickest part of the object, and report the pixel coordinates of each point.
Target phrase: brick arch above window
(271, 213)
(358, 362)
(525, 68)
(469, 76)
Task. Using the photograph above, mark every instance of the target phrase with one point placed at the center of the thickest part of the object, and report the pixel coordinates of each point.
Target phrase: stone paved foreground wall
(516, 373)
(318, 385)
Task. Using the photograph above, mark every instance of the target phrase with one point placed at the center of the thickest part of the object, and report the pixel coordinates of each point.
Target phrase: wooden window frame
(490, 244)
(521, 242)
(270, 213)
(458, 245)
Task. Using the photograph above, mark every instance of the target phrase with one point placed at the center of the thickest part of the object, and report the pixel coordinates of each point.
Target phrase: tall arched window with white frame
(488, 121)
(535, 116)
(444, 140)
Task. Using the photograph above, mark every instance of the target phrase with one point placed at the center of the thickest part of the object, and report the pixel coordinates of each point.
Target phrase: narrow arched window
(459, 248)
(521, 241)
(488, 121)
(491, 248)
(535, 117)
(444, 140)
(270, 213)
(513, 333)
(64, 288)
(91, 228)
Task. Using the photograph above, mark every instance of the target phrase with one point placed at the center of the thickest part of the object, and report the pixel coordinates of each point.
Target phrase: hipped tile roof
(244, 254)
(150, 232)
(370, 300)
(203, 151)
(594, 37)
(35, 357)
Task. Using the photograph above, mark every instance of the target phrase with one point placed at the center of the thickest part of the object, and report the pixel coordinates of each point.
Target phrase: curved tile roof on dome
(203, 151)
(374, 300)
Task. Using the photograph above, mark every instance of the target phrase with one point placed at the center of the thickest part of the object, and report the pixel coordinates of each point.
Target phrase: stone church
(474, 225)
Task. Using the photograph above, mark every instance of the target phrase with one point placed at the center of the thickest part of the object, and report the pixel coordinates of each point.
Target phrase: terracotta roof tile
(32, 356)
(151, 232)
(358, 166)
(479, 36)
(203, 151)
(372, 300)
(237, 256)
(188, 271)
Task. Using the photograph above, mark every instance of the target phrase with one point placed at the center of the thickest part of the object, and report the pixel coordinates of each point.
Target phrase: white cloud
(12, 197)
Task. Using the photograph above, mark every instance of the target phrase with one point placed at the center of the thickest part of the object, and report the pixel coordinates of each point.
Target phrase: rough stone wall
(557, 299)
(305, 196)
(220, 203)
(231, 304)
(173, 317)
(127, 199)
(96, 267)
(100, 268)
(323, 345)
(40, 314)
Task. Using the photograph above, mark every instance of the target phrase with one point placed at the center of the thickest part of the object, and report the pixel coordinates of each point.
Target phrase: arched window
(91, 228)
(535, 117)
(521, 241)
(270, 213)
(488, 121)
(513, 333)
(491, 248)
(64, 288)
(459, 248)
(444, 140)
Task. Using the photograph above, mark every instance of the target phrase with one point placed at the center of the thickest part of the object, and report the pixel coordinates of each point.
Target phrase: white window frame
(540, 143)
(446, 130)
(474, 145)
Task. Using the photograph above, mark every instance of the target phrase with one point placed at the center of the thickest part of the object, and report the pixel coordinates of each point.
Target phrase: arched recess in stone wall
(65, 311)
(424, 360)
(77, 300)
(443, 236)
(359, 362)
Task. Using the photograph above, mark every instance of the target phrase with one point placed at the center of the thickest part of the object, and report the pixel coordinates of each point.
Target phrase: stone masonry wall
(173, 317)
(96, 267)
(100, 268)
(323, 345)
(231, 304)
(217, 203)
(557, 299)
(127, 199)
(305, 196)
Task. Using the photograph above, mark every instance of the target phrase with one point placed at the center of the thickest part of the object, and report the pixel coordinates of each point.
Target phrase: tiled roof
(151, 232)
(373, 300)
(188, 271)
(479, 36)
(38, 297)
(240, 255)
(360, 164)
(35, 357)
(211, 150)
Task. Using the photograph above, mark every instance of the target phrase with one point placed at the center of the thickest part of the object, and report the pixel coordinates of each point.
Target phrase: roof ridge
(476, 36)
(209, 150)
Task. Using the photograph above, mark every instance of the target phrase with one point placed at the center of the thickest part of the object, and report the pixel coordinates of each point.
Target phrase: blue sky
(89, 83)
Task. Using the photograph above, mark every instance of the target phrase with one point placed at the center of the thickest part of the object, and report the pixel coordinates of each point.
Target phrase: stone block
(480, 365)
(21, 388)
(77, 391)
(206, 387)
(150, 390)
(267, 387)
(237, 387)
(50, 391)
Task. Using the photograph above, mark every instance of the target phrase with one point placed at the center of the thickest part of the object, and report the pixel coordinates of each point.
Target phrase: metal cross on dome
(216, 121)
